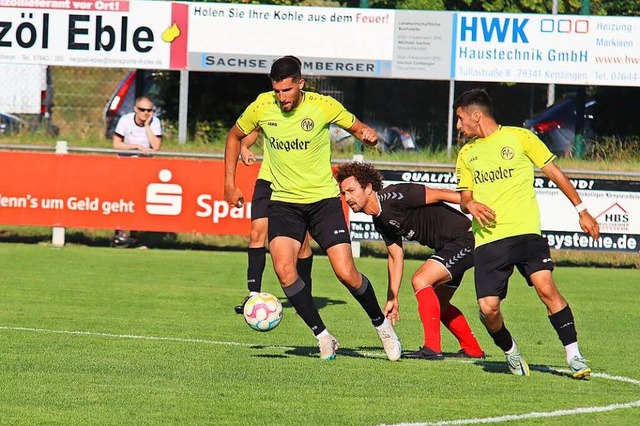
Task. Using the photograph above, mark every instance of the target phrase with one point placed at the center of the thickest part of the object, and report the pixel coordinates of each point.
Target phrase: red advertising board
(108, 192)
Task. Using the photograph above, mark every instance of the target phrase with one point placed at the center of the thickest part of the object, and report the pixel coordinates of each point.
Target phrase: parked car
(26, 98)
(123, 98)
(390, 138)
(556, 125)
(10, 124)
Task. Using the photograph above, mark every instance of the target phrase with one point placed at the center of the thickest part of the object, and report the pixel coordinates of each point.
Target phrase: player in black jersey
(418, 213)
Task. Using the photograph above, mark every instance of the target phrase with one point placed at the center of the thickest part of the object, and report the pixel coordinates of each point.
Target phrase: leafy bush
(612, 148)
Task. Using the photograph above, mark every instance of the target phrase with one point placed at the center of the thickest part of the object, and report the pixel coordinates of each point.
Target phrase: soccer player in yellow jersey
(305, 194)
(257, 252)
(495, 179)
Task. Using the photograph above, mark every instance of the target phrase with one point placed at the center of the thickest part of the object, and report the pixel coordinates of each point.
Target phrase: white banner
(561, 49)
(330, 41)
(614, 204)
(93, 33)
(356, 42)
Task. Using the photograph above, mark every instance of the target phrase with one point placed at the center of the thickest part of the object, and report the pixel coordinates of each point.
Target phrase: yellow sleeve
(248, 121)
(336, 113)
(536, 150)
(463, 173)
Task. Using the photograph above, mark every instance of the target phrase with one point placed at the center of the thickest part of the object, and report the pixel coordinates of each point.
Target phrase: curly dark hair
(364, 173)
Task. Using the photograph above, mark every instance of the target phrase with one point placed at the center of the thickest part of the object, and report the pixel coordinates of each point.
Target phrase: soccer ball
(263, 312)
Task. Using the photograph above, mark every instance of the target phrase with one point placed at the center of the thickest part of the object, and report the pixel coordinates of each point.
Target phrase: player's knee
(352, 280)
(488, 312)
(305, 251)
(256, 236)
(286, 272)
(419, 282)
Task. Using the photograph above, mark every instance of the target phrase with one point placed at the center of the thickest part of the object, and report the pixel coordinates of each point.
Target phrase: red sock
(457, 324)
(429, 311)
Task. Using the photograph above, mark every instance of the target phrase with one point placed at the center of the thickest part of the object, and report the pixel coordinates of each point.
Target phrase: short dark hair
(285, 67)
(478, 98)
(364, 173)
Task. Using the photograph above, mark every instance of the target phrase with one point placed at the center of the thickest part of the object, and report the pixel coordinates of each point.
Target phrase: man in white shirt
(141, 131)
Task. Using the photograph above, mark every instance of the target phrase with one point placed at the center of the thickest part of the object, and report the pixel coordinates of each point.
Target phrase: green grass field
(101, 336)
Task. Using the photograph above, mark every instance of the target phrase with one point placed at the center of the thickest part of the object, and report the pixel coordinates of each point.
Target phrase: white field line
(540, 415)
(168, 339)
(499, 419)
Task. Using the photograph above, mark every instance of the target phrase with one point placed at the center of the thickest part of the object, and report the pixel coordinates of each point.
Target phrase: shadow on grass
(501, 367)
(313, 351)
(319, 301)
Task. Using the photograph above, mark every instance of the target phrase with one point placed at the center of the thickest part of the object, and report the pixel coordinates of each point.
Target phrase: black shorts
(260, 201)
(456, 256)
(324, 220)
(495, 261)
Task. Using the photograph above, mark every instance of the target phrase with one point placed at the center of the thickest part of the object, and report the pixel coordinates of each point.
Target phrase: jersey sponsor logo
(481, 176)
(307, 124)
(293, 145)
(272, 124)
(507, 153)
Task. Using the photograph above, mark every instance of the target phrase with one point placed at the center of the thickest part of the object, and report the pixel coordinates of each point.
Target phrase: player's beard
(355, 207)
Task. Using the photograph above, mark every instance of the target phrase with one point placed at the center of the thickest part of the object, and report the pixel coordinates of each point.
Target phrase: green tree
(621, 7)
(598, 7)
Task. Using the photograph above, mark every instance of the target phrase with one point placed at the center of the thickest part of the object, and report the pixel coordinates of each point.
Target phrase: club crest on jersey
(507, 153)
(307, 124)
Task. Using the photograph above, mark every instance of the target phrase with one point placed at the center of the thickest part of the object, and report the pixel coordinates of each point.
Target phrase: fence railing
(420, 165)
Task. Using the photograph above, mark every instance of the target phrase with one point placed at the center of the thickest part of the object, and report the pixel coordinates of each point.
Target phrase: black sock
(257, 261)
(304, 270)
(299, 295)
(502, 338)
(366, 296)
(564, 325)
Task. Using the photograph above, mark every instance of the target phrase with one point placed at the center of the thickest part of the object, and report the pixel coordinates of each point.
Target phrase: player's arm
(232, 194)
(587, 222)
(480, 212)
(366, 134)
(248, 157)
(434, 195)
(395, 266)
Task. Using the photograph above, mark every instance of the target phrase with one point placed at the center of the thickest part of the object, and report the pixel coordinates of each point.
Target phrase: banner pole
(58, 232)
